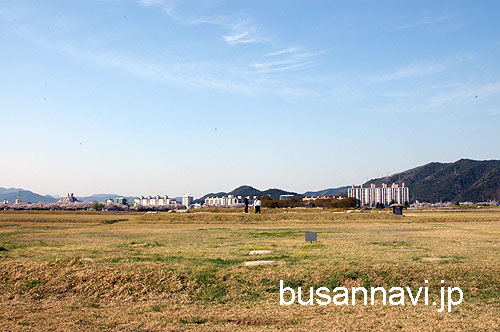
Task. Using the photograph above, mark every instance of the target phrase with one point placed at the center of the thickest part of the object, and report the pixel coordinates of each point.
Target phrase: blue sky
(168, 97)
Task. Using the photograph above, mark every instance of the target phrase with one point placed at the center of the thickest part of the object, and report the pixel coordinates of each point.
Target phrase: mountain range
(328, 192)
(273, 193)
(103, 198)
(463, 180)
(11, 194)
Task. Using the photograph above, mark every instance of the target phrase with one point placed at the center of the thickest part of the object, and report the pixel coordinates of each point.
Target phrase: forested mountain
(463, 180)
(328, 192)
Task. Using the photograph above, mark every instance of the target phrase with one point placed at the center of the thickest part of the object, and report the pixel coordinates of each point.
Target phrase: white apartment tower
(225, 201)
(187, 200)
(385, 195)
(69, 198)
(154, 201)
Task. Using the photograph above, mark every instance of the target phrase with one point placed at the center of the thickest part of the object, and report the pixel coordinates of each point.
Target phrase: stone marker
(88, 260)
(407, 249)
(255, 263)
(260, 252)
(140, 245)
(435, 259)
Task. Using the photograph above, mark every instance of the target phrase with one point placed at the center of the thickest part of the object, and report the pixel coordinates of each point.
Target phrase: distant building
(423, 205)
(117, 200)
(226, 201)
(154, 201)
(69, 198)
(285, 197)
(313, 198)
(187, 200)
(386, 195)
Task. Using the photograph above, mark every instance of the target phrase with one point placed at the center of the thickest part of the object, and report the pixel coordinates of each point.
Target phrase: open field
(70, 271)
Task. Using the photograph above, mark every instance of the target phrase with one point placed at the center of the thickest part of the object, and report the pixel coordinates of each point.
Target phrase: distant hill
(103, 198)
(11, 194)
(248, 191)
(275, 193)
(202, 198)
(9, 190)
(463, 180)
(328, 192)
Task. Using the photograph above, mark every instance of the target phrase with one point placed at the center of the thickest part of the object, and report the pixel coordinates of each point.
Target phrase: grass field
(70, 271)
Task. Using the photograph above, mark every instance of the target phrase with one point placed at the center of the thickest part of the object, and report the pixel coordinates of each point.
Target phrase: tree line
(332, 203)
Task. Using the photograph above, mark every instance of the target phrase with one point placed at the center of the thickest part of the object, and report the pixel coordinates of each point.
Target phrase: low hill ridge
(247, 190)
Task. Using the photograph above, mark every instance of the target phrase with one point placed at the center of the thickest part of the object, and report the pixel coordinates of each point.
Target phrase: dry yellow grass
(67, 271)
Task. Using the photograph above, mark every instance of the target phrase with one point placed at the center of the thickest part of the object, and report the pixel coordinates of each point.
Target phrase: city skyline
(148, 96)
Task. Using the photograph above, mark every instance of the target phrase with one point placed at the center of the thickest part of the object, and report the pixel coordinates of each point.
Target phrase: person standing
(246, 204)
(257, 204)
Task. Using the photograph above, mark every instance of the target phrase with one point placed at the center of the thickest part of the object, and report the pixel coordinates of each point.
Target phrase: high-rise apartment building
(69, 198)
(154, 201)
(225, 201)
(187, 200)
(385, 195)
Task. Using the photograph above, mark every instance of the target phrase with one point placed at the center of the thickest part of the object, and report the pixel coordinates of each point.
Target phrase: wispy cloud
(284, 51)
(235, 76)
(415, 70)
(448, 97)
(240, 30)
(153, 2)
(206, 75)
(410, 71)
(464, 93)
(237, 38)
(494, 113)
(187, 74)
(292, 58)
(267, 67)
(425, 21)
(242, 34)
(295, 66)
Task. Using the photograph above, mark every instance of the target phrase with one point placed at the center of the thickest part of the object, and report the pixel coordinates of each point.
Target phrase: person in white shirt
(256, 204)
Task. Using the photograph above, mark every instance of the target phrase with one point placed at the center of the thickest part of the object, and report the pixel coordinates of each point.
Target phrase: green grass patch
(157, 308)
(273, 234)
(11, 245)
(209, 288)
(112, 221)
(313, 246)
(192, 320)
(395, 244)
(30, 284)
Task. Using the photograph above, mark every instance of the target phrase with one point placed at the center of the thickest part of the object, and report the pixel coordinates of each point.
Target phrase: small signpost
(397, 209)
(311, 236)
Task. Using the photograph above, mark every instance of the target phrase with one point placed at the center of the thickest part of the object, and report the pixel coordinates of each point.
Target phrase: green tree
(97, 206)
